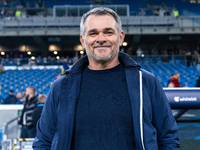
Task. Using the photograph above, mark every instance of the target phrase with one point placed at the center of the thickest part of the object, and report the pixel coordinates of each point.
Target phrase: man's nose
(101, 38)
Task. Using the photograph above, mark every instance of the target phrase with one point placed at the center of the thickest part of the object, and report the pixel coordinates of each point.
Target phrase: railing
(71, 25)
(79, 10)
(28, 62)
(160, 58)
(7, 143)
(145, 21)
(34, 22)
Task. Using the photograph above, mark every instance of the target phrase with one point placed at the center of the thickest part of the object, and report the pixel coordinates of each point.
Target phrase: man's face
(11, 93)
(19, 96)
(101, 38)
(58, 76)
(28, 92)
(178, 76)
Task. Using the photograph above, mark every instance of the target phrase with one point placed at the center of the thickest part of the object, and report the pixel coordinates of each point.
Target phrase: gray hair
(32, 88)
(100, 11)
(42, 98)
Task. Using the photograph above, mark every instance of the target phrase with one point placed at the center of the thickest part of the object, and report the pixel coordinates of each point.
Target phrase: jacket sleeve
(163, 120)
(47, 123)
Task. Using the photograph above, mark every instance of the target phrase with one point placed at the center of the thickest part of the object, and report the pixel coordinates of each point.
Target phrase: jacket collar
(125, 59)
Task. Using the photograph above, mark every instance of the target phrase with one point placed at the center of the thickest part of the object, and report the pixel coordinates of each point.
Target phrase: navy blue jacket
(153, 123)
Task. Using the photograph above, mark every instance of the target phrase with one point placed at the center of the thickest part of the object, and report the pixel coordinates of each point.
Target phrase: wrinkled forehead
(100, 21)
(104, 14)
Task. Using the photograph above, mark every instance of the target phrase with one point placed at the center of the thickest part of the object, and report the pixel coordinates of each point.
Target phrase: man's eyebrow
(93, 30)
(106, 29)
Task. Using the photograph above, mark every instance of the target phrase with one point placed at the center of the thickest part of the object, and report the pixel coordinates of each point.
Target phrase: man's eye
(92, 33)
(109, 32)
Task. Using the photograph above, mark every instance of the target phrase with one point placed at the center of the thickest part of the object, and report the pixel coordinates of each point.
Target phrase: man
(11, 98)
(38, 110)
(20, 99)
(1, 100)
(57, 76)
(28, 130)
(106, 101)
(175, 80)
(1, 68)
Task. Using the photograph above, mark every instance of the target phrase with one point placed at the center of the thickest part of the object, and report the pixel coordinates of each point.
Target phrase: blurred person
(175, 80)
(176, 50)
(11, 99)
(1, 68)
(1, 100)
(39, 60)
(156, 13)
(28, 130)
(139, 14)
(188, 58)
(7, 59)
(176, 13)
(49, 60)
(21, 59)
(166, 13)
(139, 52)
(65, 65)
(57, 76)
(9, 14)
(38, 110)
(106, 101)
(129, 51)
(195, 58)
(18, 13)
(198, 50)
(198, 63)
(16, 53)
(82, 55)
(40, 3)
(62, 59)
(186, 85)
(20, 99)
(198, 82)
(169, 50)
(154, 51)
(2, 13)
(75, 59)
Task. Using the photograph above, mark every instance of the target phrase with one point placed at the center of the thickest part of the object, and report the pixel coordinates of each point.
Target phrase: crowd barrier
(183, 99)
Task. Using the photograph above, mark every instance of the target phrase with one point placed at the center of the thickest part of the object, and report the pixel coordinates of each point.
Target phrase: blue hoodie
(153, 123)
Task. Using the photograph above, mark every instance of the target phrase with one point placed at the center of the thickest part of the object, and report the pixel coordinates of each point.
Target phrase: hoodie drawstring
(141, 111)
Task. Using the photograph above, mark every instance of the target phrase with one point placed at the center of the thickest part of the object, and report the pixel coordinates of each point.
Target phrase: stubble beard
(102, 60)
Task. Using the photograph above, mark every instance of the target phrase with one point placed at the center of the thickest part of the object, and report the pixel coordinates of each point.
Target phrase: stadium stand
(18, 80)
(141, 15)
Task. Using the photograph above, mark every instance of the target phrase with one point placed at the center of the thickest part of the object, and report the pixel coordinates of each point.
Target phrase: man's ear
(122, 38)
(82, 41)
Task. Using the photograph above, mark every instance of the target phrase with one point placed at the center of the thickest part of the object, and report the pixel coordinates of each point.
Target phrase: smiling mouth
(102, 47)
